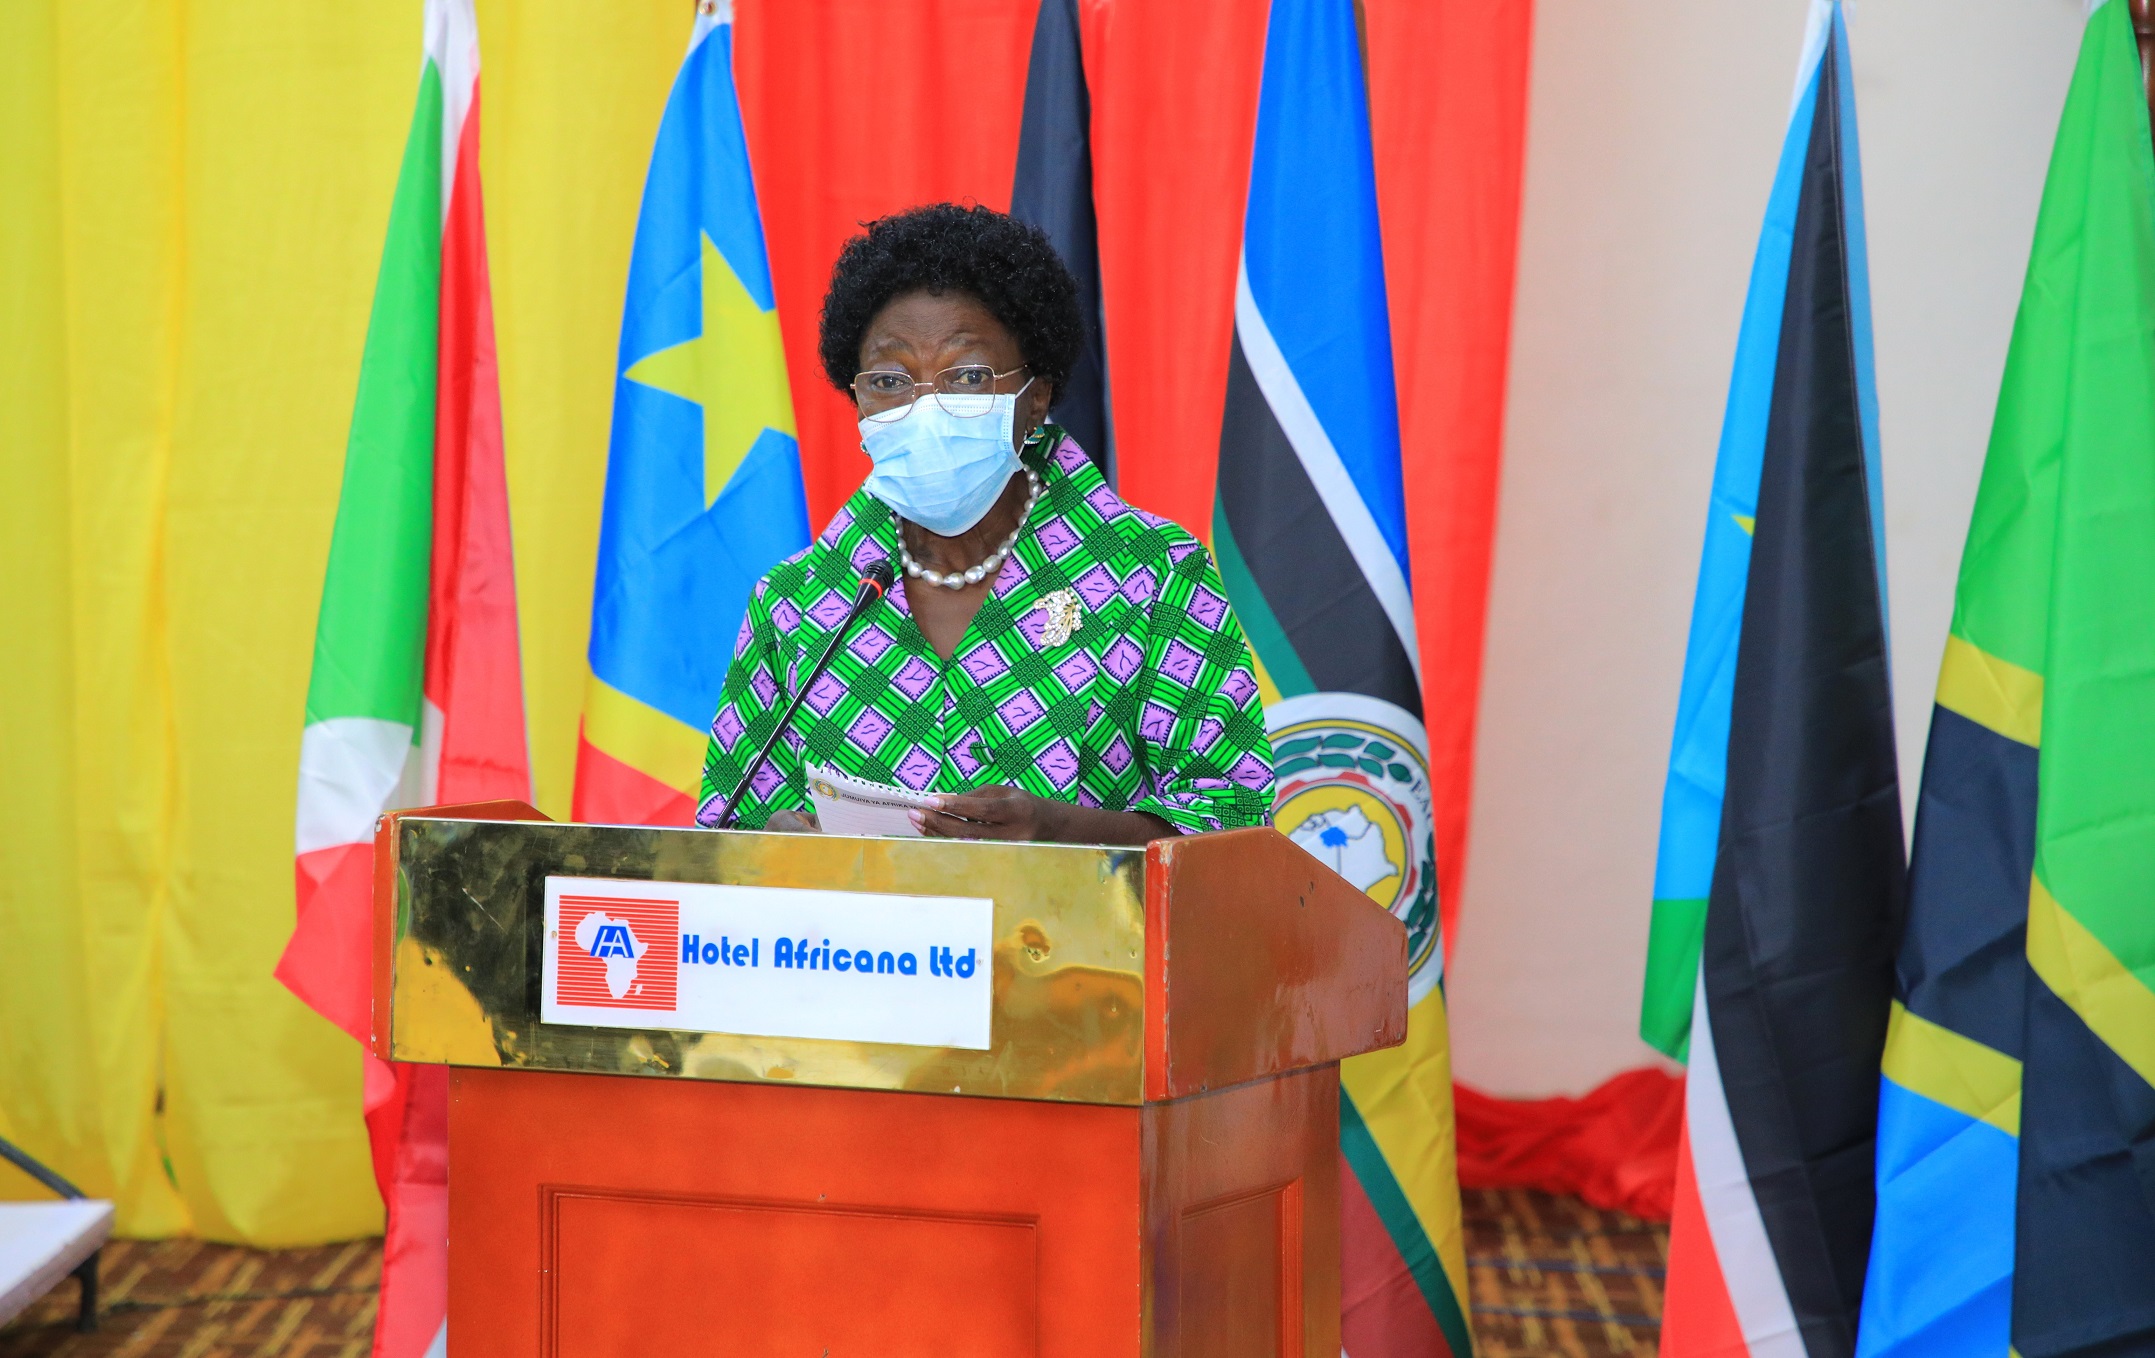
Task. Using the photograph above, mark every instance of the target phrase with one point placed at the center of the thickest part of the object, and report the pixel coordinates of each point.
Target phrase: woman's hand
(793, 823)
(1003, 812)
(999, 812)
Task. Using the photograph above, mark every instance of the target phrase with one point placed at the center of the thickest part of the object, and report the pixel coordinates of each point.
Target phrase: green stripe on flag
(1366, 1160)
(370, 638)
(1675, 936)
(1266, 637)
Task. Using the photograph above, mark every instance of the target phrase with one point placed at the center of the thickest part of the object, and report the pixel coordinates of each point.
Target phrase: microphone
(874, 585)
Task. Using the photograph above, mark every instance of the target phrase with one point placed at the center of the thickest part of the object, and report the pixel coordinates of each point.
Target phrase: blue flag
(703, 473)
(1310, 530)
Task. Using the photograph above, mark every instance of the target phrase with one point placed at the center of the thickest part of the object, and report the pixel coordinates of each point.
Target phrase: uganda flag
(1309, 527)
(703, 470)
(1783, 867)
(416, 696)
(2037, 816)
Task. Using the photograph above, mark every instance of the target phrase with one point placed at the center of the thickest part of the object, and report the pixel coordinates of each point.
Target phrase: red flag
(417, 692)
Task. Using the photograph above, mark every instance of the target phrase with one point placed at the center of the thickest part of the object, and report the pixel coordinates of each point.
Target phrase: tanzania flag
(2038, 814)
(1310, 532)
(417, 691)
(1053, 191)
(703, 474)
(1790, 826)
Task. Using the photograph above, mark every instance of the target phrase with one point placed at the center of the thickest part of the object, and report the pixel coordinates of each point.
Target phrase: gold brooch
(1063, 615)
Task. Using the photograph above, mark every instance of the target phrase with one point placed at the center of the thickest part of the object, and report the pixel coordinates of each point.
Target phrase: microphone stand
(874, 585)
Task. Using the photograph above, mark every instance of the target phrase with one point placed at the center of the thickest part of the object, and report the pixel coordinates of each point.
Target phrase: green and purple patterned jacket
(1104, 668)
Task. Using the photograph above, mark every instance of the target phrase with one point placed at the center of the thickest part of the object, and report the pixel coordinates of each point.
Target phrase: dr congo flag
(703, 473)
(1803, 889)
(1310, 531)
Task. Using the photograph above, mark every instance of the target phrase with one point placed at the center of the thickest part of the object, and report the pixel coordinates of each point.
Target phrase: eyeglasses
(886, 395)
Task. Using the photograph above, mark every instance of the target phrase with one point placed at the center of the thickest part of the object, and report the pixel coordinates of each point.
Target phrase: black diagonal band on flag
(1963, 960)
(1808, 888)
(2087, 1194)
(1294, 551)
(1053, 191)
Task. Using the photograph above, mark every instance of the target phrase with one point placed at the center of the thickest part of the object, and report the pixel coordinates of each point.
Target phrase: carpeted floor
(1551, 1276)
(185, 1299)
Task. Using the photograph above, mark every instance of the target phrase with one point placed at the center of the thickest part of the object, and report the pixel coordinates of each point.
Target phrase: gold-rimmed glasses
(887, 395)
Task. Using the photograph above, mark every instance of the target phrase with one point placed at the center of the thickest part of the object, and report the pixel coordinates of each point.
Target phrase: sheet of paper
(846, 805)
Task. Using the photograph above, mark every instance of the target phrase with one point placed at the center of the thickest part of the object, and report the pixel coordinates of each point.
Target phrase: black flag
(1054, 192)
(1794, 986)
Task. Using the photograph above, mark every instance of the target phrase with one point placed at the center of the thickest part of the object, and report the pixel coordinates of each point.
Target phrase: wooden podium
(1142, 1161)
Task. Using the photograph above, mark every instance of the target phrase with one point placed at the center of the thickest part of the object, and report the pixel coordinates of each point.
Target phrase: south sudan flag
(1310, 531)
(2037, 817)
(1783, 868)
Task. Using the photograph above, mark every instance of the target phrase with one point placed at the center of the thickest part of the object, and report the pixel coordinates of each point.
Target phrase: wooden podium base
(626, 1217)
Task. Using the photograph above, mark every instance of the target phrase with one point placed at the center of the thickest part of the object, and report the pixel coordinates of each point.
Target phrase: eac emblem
(1353, 789)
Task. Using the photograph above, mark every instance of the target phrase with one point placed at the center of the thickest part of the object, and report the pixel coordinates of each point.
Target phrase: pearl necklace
(973, 575)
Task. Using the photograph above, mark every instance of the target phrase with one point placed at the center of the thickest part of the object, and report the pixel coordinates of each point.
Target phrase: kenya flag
(417, 695)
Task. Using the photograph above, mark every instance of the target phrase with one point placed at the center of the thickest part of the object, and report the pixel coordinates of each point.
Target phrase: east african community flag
(1310, 531)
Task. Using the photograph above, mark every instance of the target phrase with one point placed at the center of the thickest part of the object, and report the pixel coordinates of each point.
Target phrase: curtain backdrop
(196, 198)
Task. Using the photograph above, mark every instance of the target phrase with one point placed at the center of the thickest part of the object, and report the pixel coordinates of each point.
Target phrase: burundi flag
(416, 696)
(1783, 869)
(1310, 529)
(703, 473)
(2037, 817)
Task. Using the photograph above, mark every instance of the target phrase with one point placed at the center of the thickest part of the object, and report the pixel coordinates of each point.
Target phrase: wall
(1651, 142)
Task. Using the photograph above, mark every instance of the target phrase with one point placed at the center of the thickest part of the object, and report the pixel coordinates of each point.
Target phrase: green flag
(2063, 545)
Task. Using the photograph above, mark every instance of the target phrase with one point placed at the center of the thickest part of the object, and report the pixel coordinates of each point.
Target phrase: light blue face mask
(944, 470)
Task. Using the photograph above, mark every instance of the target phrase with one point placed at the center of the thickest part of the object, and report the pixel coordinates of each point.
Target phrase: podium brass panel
(1068, 1015)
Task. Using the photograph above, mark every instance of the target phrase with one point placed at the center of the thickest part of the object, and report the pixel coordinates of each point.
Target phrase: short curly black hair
(1008, 266)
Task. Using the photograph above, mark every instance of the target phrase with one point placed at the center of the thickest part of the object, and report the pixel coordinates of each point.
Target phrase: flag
(703, 469)
(2078, 413)
(1053, 191)
(1783, 807)
(416, 695)
(2018, 1106)
(1310, 531)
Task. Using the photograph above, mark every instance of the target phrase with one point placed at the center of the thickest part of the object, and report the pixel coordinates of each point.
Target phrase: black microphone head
(881, 575)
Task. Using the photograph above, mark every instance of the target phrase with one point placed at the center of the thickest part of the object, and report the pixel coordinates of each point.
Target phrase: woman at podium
(1051, 663)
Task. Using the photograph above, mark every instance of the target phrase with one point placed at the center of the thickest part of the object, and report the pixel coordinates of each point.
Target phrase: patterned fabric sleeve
(1208, 762)
(750, 703)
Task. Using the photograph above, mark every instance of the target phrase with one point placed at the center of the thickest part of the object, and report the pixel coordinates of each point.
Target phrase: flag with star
(703, 473)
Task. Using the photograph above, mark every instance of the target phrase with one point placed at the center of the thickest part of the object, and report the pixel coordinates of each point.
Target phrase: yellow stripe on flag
(1959, 1072)
(2091, 980)
(1404, 1094)
(1996, 694)
(644, 738)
